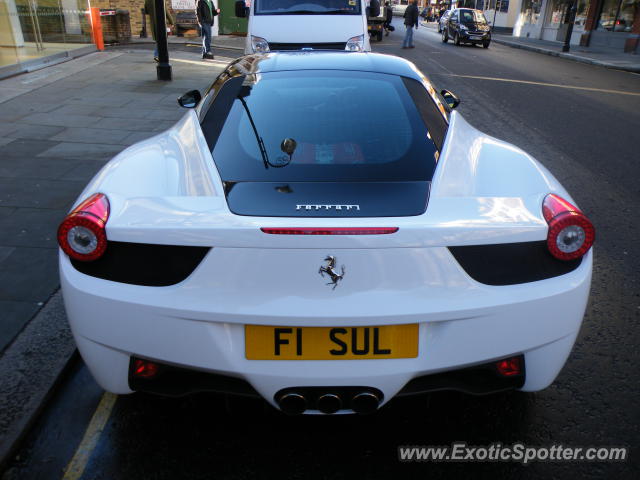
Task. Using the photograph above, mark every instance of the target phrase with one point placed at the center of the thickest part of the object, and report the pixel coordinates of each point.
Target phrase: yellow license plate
(330, 343)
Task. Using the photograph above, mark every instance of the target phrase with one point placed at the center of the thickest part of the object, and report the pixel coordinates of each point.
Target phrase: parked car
(274, 244)
(443, 20)
(398, 10)
(466, 25)
(620, 25)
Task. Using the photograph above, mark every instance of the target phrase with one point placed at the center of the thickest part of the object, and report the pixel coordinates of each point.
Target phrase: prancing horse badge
(330, 269)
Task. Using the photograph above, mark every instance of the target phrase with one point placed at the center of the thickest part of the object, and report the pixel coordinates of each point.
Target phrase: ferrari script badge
(330, 269)
(327, 207)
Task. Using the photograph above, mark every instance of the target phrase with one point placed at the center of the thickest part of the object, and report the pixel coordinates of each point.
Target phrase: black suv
(466, 25)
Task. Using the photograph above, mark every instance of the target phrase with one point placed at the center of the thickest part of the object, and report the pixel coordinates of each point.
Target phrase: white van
(305, 25)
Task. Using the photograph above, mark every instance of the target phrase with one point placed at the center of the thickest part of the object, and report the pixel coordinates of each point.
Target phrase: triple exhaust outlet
(297, 402)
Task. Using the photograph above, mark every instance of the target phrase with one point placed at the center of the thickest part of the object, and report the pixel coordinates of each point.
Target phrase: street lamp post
(572, 18)
(495, 12)
(163, 69)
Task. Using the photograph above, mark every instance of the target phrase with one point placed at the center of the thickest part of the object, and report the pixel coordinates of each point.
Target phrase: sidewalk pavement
(231, 42)
(607, 57)
(58, 127)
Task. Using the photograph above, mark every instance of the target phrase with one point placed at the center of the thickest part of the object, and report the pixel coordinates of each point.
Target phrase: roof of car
(323, 60)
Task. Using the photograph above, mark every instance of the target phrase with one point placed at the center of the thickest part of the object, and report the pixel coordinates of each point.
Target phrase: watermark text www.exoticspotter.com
(517, 452)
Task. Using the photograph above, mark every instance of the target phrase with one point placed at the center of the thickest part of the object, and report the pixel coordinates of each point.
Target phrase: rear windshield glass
(320, 126)
(307, 7)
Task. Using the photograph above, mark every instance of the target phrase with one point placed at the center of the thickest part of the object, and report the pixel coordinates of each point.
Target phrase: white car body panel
(166, 190)
(200, 321)
(307, 28)
(184, 192)
(398, 10)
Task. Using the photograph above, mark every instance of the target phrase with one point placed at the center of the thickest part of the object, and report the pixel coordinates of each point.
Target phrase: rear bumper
(199, 324)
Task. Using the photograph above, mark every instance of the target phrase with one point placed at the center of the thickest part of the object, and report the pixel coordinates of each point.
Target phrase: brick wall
(134, 7)
(116, 28)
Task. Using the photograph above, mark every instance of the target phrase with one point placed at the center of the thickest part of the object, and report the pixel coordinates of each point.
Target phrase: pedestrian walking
(411, 16)
(150, 9)
(206, 10)
(388, 15)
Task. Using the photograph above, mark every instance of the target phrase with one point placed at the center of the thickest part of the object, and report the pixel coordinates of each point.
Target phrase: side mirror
(191, 99)
(452, 100)
(241, 9)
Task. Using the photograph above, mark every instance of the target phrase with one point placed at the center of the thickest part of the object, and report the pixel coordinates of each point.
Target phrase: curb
(568, 56)
(31, 368)
(197, 40)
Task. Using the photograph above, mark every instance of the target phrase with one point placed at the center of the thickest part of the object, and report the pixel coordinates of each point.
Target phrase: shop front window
(628, 12)
(531, 11)
(618, 15)
(31, 29)
(582, 9)
(558, 10)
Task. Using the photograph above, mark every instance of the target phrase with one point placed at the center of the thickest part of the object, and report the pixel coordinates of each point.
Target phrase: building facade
(32, 30)
(501, 13)
(40, 32)
(613, 23)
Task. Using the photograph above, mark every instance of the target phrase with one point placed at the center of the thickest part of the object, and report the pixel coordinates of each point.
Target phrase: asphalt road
(583, 123)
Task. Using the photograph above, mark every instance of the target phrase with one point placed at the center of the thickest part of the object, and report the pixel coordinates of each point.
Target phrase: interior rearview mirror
(191, 99)
(241, 9)
(452, 100)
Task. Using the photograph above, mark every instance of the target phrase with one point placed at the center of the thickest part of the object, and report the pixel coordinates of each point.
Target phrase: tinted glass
(479, 17)
(346, 126)
(472, 16)
(307, 7)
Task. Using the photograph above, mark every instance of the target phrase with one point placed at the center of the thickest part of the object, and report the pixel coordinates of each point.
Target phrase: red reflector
(145, 368)
(331, 231)
(509, 367)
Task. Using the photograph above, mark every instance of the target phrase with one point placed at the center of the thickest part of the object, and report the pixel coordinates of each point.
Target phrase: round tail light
(81, 235)
(570, 234)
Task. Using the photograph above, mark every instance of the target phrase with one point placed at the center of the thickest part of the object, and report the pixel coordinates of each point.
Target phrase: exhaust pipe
(292, 403)
(365, 402)
(329, 403)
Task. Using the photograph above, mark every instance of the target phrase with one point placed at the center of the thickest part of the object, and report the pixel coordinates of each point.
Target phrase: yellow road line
(218, 62)
(542, 84)
(78, 463)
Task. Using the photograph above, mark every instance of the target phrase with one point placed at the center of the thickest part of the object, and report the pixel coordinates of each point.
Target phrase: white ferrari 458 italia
(324, 231)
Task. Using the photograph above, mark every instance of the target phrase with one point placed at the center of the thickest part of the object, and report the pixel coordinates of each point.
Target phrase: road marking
(78, 463)
(220, 61)
(542, 84)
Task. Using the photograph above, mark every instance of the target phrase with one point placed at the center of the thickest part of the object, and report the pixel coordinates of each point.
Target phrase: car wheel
(485, 44)
(445, 37)
(456, 39)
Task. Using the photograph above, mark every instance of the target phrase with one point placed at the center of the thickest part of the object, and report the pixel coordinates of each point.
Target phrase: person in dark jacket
(388, 13)
(206, 10)
(411, 16)
(150, 9)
